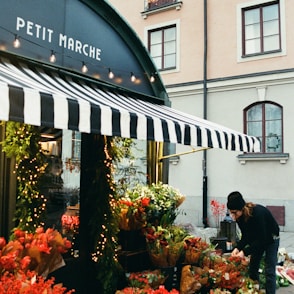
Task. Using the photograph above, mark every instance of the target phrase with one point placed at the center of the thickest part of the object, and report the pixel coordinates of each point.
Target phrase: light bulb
(16, 42)
(110, 74)
(133, 78)
(84, 68)
(52, 57)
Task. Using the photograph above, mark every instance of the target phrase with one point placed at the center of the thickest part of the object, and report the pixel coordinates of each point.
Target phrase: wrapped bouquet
(165, 245)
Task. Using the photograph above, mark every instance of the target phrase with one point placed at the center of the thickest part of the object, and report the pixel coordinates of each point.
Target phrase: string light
(16, 42)
(110, 74)
(52, 57)
(85, 68)
(133, 77)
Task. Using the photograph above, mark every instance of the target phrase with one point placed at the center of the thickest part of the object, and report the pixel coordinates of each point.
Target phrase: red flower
(2, 242)
(145, 201)
(24, 262)
(19, 233)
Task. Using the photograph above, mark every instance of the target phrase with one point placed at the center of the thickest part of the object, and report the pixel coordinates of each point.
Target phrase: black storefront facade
(58, 77)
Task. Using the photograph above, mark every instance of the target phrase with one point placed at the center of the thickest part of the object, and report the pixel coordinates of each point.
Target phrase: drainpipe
(204, 165)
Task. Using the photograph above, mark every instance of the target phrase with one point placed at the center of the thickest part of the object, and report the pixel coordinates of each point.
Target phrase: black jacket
(258, 231)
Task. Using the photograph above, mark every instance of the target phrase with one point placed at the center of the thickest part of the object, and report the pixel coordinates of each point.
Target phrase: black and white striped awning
(38, 96)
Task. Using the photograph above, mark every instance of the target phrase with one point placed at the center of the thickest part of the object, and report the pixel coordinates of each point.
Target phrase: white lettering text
(34, 29)
(78, 47)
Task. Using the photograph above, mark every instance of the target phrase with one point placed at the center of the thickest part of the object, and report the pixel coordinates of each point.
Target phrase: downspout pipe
(204, 165)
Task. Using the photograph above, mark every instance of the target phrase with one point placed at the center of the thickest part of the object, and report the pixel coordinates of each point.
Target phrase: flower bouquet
(70, 223)
(165, 245)
(218, 210)
(43, 249)
(24, 257)
(146, 279)
(194, 249)
(160, 290)
(215, 272)
(164, 204)
(156, 204)
(132, 211)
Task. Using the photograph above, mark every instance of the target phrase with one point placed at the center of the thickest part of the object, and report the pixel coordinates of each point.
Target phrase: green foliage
(103, 223)
(122, 148)
(22, 142)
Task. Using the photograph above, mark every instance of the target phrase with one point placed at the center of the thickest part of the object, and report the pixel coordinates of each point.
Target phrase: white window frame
(283, 51)
(162, 25)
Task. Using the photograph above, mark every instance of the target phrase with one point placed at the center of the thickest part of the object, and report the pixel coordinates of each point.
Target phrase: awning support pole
(183, 153)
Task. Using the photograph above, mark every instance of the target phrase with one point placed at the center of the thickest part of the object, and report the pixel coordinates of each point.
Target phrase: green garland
(103, 225)
(22, 142)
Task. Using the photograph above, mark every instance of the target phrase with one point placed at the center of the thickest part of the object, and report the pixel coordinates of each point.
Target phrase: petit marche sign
(44, 33)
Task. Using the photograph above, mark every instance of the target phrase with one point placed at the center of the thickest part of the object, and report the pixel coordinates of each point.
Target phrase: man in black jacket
(260, 236)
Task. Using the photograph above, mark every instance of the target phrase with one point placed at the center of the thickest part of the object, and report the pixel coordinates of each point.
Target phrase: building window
(265, 121)
(261, 29)
(162, 47)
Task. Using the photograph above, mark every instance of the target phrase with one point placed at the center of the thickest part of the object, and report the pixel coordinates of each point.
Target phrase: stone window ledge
(176, 5)
(282, 157)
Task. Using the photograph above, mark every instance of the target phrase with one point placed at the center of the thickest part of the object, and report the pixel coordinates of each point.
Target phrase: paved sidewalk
(285, 290)
(287, 242)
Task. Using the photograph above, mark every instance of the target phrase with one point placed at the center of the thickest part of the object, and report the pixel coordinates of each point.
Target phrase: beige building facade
(231, 62)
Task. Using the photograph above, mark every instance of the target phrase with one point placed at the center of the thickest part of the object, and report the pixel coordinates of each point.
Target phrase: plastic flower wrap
(195, 249)
(165, 245)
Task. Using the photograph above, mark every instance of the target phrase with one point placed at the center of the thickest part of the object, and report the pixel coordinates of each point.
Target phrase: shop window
(162, 44)
(265, 121)
(261, 29)
(76, 145)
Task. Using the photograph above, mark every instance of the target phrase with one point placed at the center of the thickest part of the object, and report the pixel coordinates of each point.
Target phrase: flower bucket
(220, 243)
(131, 240)
(170, 274)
